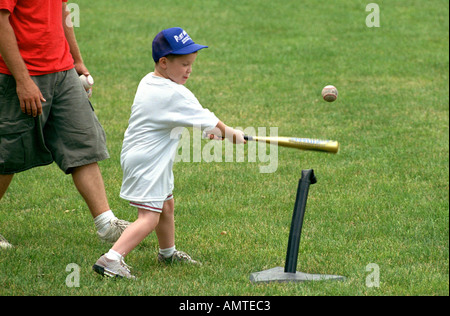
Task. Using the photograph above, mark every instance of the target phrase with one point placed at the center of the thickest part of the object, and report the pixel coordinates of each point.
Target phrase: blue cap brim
(189, 49)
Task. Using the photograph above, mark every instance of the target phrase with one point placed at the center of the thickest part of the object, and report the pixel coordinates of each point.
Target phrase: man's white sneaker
(4, 244)
(114, 231)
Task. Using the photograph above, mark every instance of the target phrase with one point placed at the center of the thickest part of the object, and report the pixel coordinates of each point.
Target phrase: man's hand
(30, 97)
(81, 69)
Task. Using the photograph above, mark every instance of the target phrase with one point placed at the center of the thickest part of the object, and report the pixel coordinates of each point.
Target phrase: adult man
(45, 115)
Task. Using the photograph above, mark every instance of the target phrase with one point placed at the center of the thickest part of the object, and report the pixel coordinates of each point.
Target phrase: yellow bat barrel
(330, 146)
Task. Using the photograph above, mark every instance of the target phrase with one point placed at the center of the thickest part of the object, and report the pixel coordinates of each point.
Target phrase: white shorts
(156, 206)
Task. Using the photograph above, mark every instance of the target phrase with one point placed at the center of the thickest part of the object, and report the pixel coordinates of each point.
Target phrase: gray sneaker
(112, 268)
(178, 256)
(116, 228)
(4, 244)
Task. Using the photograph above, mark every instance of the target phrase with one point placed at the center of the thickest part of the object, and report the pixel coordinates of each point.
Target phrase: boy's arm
(71, 39)
(29, 95)
(223, 131)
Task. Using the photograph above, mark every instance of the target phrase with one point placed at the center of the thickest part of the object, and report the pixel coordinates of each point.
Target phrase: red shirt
(40, 35)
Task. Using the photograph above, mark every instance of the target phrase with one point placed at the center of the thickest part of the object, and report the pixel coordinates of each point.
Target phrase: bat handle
(248, 138)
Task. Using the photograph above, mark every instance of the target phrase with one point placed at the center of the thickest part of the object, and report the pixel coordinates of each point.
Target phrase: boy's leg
(112, 264)
(136, 232)
(166, 237)
(166, 227)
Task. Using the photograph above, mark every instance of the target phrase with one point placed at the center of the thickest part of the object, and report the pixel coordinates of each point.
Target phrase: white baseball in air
(329, 93)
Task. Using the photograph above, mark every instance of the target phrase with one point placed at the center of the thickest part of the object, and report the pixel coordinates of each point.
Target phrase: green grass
(384, 199)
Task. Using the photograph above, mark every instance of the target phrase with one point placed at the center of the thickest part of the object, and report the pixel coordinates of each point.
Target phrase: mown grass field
(384, 199)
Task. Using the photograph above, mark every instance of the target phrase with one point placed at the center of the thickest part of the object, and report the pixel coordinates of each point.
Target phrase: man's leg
(89, 182)
(5, 180)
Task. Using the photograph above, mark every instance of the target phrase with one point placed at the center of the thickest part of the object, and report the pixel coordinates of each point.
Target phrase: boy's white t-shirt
(160, 107)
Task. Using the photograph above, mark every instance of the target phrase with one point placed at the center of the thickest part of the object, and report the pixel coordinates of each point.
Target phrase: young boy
(161, 104)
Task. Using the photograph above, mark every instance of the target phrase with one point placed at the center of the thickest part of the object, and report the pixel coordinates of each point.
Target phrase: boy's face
(180, 68)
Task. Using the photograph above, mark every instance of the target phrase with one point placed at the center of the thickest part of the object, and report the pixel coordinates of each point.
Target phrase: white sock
(113, 255)
(102, 221)
(168, 252)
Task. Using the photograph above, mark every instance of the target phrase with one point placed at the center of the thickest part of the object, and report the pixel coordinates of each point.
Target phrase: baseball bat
(329, 146)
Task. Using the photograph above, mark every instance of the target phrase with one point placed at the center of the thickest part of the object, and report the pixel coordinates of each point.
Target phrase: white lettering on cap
(183, 37)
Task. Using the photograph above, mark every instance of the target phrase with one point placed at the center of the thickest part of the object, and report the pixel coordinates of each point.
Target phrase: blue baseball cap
(173, 41)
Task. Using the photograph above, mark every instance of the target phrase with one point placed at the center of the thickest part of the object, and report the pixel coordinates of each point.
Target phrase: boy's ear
(163, 62)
